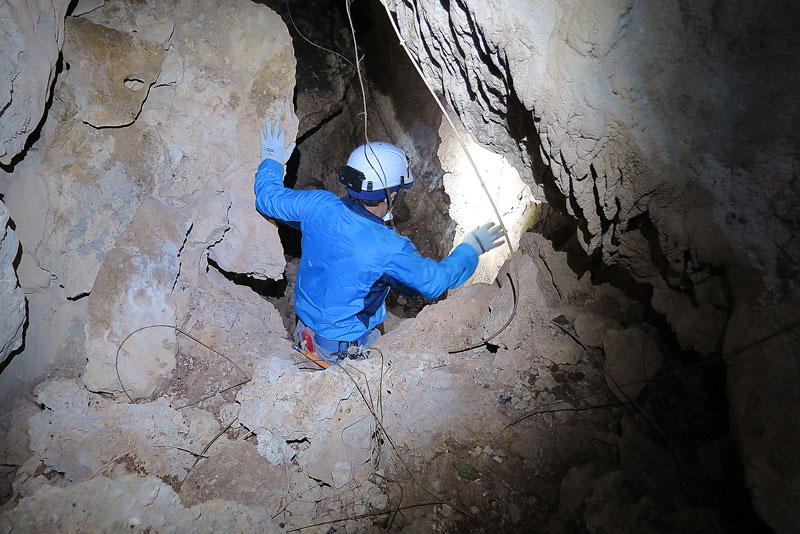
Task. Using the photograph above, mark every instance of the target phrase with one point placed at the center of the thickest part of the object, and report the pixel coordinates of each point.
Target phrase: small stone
(466, 471)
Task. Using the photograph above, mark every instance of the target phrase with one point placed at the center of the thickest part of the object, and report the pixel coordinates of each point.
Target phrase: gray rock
(133, 290)
(129, 504)
(12, 300)
(677, 161)
(32, 34)
(196, 134)
(591, 328)
(79, 432)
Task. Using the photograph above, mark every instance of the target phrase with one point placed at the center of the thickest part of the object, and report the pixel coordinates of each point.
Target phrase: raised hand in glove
(484, 238)
(273, 143)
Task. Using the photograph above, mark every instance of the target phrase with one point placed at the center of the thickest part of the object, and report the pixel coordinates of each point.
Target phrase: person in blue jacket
(350, 256)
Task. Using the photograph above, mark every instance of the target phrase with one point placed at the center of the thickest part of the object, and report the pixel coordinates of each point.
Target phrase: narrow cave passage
(157, 304)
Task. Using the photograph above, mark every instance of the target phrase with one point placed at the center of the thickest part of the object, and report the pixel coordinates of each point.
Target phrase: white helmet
(373, 168)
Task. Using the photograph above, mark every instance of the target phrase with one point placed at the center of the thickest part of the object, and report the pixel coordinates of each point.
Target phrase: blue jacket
(350, 258)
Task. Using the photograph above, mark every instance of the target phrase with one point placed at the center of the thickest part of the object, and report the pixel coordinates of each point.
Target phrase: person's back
(350, 257)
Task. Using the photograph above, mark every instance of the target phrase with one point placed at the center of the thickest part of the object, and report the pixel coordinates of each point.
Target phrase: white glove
(273, 141)
(484, 238)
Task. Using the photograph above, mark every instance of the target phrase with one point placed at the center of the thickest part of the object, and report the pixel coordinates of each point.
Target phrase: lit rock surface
(12, 301)
(32, 34)
(134, 289)
(285, 404)
(129, 504)
(469, 205)
(111, 72)
(211, 75)
(190, 129)
(79, 432)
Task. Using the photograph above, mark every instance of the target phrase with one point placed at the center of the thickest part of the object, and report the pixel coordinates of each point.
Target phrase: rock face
(144, 69)
(12, 301)
(632, 358)
(80, 431)
(133, 289)
(470, 208)
(131, 504)
(111, 72)
(32, 35)
(653, 128)
(157, 102)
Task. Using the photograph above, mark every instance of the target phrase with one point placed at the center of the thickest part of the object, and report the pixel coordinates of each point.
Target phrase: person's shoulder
(395, 243)
(322, 196)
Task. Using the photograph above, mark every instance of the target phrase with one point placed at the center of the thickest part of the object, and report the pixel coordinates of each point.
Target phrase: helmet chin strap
(388, 218)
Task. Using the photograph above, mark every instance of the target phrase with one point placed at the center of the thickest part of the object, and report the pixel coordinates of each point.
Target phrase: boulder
(134, 290)
(78, 432)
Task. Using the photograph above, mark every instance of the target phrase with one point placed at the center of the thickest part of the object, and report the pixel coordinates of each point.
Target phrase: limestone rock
(283, 403)
(79, 432)
(233, 319)
(94, 181)
(463, 318)
(245, 241)
(632, 358)
(130, 504)
(110, 72)
(591, 328)
(12, 301)
(84, 6)
(133, 290)
(196, 134)
(234, 471)
(32, 34)
(761, 353)
(469, 206)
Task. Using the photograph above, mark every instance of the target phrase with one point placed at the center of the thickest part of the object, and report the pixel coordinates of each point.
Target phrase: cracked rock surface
(32, 35)
(77, 432)
(130, 504)
(186, 138)
(133, 289)
(12, 309)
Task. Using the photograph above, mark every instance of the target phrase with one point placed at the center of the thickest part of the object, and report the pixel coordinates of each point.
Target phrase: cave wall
(32, 34)
(12, 309)
(668, 132)
(155, 114)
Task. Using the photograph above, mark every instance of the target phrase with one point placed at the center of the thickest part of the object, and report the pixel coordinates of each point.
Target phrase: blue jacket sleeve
(275, 200)
(429, 277)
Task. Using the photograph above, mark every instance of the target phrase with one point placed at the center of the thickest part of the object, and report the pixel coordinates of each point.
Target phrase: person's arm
(272, 198)
(275, 200)
(429, 277)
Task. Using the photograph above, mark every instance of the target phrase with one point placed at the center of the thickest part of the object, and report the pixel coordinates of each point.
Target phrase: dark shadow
(265, 288)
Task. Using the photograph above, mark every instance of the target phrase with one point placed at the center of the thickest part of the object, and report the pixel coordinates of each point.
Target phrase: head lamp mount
(351, 178)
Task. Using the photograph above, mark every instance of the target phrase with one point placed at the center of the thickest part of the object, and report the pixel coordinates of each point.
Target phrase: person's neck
(379, 211)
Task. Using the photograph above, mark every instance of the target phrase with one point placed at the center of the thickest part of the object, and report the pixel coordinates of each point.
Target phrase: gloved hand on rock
(273, 143)
(484, 238)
